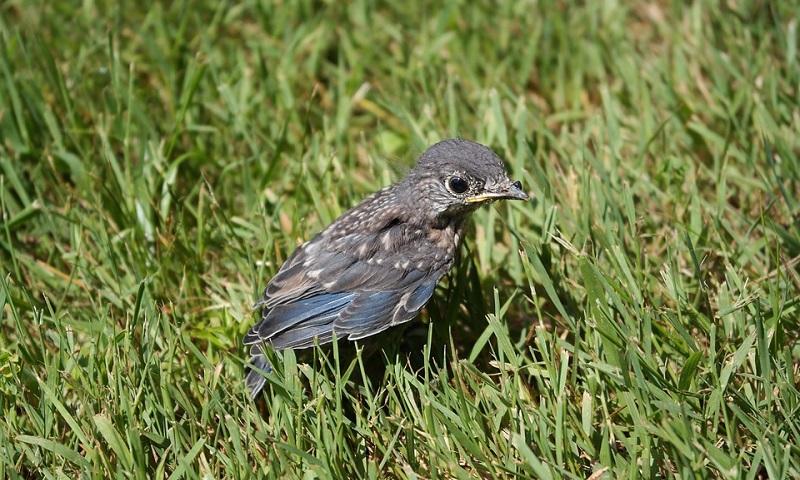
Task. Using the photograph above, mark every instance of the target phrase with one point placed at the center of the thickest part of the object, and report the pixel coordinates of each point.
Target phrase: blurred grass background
(159, 160)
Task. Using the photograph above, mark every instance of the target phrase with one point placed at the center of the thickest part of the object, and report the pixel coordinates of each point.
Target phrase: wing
(352, 286)
(363, 315)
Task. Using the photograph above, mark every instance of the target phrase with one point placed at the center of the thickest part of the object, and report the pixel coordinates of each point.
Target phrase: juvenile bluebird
(377, 265)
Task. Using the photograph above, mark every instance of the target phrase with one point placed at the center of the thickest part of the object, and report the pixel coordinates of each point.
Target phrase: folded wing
(350, 293)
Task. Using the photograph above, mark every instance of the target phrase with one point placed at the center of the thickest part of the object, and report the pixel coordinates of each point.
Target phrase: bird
(377, 265)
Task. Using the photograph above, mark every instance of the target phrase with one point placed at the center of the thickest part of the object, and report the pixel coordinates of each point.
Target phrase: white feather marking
(314, 273)
(404, 299)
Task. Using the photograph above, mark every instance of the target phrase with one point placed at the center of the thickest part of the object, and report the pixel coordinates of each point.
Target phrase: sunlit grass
(640, 316)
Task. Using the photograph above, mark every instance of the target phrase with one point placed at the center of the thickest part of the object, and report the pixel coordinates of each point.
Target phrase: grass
(638, 319)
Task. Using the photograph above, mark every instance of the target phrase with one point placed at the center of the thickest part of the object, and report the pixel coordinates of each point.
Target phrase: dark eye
(457, 185)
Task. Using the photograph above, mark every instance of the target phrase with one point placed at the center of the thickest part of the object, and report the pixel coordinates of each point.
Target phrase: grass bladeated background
(158, 162)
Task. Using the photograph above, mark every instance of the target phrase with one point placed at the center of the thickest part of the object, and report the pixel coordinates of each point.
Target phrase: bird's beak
(505, 191)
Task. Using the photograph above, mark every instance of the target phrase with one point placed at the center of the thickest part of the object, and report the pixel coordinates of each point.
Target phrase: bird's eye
(457, 185)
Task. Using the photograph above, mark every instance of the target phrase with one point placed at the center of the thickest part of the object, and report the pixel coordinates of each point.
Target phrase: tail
(256, 370)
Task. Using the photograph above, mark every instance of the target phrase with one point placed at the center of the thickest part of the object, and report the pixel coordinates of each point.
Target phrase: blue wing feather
(420, 296)
(366, 312)
(282, 317)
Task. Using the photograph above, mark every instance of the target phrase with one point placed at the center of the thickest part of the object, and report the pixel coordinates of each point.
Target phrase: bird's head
(454, 177)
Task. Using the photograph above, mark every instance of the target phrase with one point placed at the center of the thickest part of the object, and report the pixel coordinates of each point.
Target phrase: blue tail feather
(258, 366)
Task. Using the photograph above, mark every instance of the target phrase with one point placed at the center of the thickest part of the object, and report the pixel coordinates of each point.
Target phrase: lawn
(639, 317)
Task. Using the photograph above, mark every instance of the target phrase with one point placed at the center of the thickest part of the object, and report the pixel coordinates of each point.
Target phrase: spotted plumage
(378, 264)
